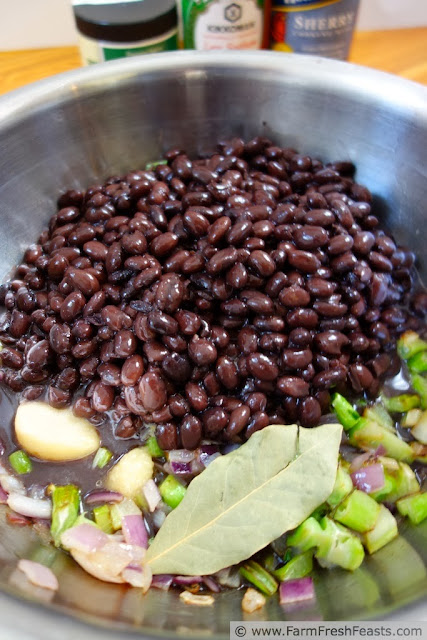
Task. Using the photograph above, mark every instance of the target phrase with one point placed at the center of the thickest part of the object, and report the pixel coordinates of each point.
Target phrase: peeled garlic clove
(55, 435)
(130, 473)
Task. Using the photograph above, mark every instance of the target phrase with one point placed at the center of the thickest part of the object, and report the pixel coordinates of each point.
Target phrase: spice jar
(317, 27)
(223, 24)
(109, 29)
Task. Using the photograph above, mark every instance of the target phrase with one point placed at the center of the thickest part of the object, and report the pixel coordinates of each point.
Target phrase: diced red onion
(206, 460)
(85, 538)
(18, 520)
(162, 581)
(296, 590)
(186, 580)
(3, 496)
(102, 496)
(196, 467)
(134, 531)
(231, 447)
(229, 577)
(181, 455)
(208, 453)
(369, 478)
(180, 468)
(211, 584)
(151, 494)
(29, 507)
(137, 576)
(159, 516)
(11, 484)
(359, 461)
(380, 451)
(39, 575)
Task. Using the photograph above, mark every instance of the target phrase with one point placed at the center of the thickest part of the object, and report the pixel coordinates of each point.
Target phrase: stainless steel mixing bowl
(76, 128)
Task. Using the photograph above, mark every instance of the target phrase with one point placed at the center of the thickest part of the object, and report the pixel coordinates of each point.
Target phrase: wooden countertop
(400, 51)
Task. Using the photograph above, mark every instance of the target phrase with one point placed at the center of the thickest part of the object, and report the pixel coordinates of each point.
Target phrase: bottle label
(316, 27)
(222, 24)
(93, 51)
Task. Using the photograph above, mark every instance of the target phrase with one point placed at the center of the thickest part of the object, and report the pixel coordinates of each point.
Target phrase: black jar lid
(126, 21)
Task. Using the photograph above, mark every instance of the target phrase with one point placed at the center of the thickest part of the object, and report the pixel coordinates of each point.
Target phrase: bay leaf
(246, 499)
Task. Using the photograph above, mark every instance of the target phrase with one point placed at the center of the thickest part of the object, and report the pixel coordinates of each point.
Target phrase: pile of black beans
(211, 297)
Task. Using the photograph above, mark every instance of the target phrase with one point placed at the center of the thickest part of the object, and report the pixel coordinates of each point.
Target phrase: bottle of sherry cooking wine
(224, 24)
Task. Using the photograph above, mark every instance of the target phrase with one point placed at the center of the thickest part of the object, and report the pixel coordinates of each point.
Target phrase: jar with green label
(109, 29)
(222, 24)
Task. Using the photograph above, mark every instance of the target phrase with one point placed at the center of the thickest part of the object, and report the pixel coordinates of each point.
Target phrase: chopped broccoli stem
(298, 567)
(402, 403)
(259, 577)
(419, 451)
(346, 414)
(65, 509)
(342, 488)
(414, 507)
(358, 512)
(378, 413)
(156, 163)
(405, 483)
(308, 535)
(370, 435)
(102, 518)
(339, 547)
(419, 384)
(418, 362)
(172, 491)
(102, 458)
(411, 418)
(419, 430)
(389, 486)
(384, 531)
(409, 344)
(153, 448)
(20, 462)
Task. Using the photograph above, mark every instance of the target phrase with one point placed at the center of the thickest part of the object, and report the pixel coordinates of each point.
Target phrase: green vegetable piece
(418, 362)
(20, 462)
(414, 507)
(371, 435)
(172, 491)
(280, 475)
(153, 165)
(378, 413)
(409, 344)
(411, 418)
(419, 451)
(358, 512)
(298, 567)
(405, 483)
(153, 448)
(307, 536)
(102, 518)
(342, 488)
(402, 403)
(383, 532)
(126, 507)
(102, 458)
(65, 509)
(419, 431)
(419, 383)
(346, 414)
(339, 547)
(259, 577)
(387, 489)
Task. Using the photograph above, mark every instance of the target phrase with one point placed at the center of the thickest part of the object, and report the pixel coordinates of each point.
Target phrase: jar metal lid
(126, 21)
